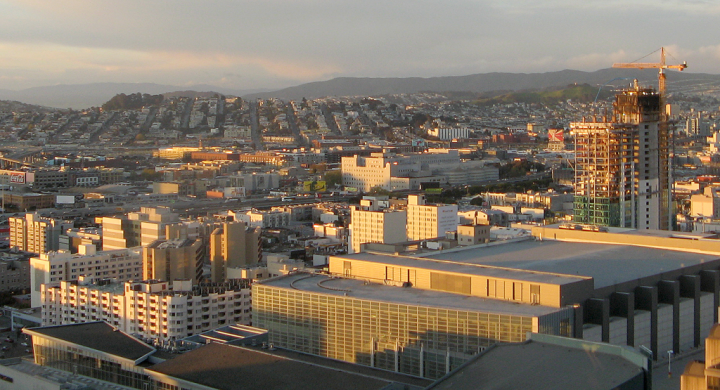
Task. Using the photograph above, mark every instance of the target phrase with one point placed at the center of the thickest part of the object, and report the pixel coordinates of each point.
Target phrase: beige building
(154, 309)
(173, 259)
(182, 188)
(371, 223)
(14, 274)
(707, 204)
(234, 245)
(36, 234)
(29, 200)
(54, 267)
(426, 221)
(137, 228)
(473, 234)
(704, 375)
(175, 153)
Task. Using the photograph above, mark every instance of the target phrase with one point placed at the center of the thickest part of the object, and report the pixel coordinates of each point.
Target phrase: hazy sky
(245, 44)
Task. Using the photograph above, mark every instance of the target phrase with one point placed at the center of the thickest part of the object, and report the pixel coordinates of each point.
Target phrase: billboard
(17, 178)
(234, 192)
(556, 135)
(65, 199)
(314, 186)
(418, 143)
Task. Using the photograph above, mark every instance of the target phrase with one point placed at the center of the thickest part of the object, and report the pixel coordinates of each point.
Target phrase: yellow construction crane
(654, 65)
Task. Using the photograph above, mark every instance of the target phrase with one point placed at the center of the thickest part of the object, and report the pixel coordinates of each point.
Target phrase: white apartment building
(380, 169)
(707, 204)
(449, 133)
(370, 223)
(152, 309)
(54, 267)
(264, 218)
(36, 234)
(425, 221)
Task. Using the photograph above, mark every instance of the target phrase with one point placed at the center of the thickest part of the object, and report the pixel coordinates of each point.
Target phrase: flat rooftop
(536, 365)
(469, 267)
(98, 336)
(354, 288)
(607, 264)
(228, 367)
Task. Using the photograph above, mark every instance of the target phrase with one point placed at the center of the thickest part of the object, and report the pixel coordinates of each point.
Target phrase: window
(451, 283)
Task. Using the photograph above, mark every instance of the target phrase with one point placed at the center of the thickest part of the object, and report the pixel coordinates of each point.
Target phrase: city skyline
(273, 44)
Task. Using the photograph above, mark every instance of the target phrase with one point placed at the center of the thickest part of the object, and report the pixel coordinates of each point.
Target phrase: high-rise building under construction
(622, 170)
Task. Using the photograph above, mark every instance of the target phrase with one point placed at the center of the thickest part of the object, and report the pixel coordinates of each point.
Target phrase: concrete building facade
(427, 221)
(169, 260)
(153, 309)
(233, 245)
(36, 234)
(53, 267)
(371, 223)
(137, 228)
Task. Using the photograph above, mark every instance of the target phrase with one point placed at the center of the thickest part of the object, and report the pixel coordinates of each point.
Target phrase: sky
(270, 44)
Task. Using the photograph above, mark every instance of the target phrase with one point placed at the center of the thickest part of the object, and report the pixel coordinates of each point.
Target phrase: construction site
(623, 172)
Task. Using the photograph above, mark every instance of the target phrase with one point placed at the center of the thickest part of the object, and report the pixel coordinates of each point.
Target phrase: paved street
(660, 370)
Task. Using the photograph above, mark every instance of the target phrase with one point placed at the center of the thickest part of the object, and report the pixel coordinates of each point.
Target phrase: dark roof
(229, 367)
(537, 365)
(99, 336)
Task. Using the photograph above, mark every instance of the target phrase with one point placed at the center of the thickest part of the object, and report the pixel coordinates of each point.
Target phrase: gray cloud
(280, 42)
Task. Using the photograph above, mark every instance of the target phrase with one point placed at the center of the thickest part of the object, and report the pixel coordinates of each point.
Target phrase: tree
(150, 174)
(377, 190)
(478, 201)
(333, 178)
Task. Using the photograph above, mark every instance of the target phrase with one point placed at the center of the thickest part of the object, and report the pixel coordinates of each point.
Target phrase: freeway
(190, 208)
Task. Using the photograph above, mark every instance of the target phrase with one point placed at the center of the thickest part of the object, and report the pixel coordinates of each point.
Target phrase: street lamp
(670, 353)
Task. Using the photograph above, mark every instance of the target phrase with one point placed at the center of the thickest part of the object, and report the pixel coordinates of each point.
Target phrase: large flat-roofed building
(412, 315)
(626, 287)
(653, 288)
(96, 355)
(409, 330)
(552, 362)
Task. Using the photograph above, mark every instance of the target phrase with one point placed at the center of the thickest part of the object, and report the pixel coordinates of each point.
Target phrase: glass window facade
(386, 335)
(86, 363)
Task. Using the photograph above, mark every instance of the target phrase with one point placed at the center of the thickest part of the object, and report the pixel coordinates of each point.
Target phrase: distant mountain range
(80, 96)
(487, 82)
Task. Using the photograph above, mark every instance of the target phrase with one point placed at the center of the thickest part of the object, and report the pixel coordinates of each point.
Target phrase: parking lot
(13, 343)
